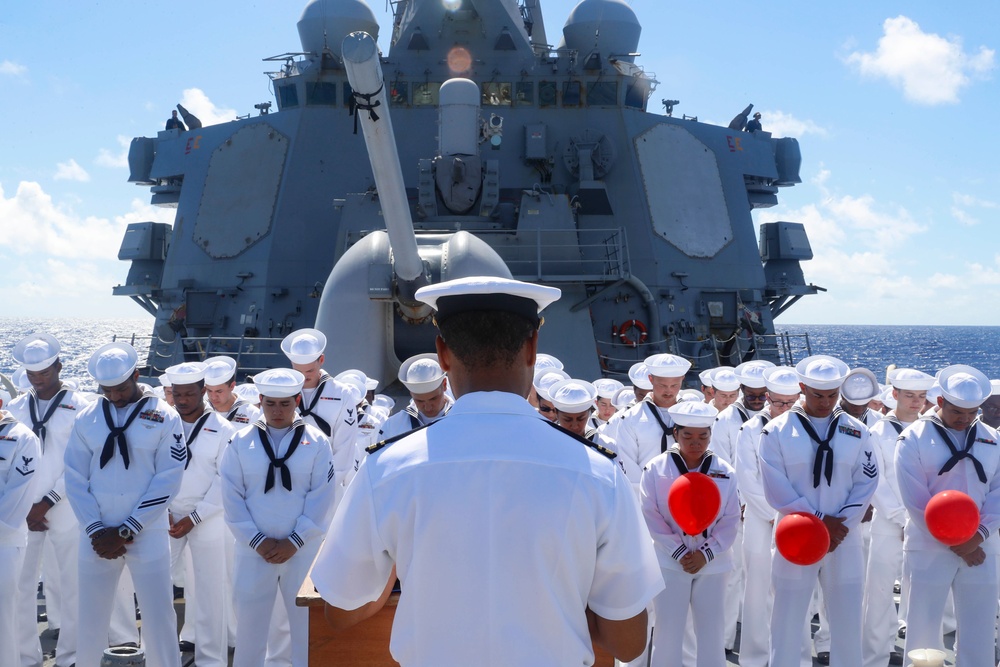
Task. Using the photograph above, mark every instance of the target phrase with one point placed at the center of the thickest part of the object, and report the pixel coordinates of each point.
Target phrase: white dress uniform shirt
(546, 523)
(19, 451)
(53, 420)
(242, 414)
(642, 433)
(332, 408)
(923, 453)
(726, 430)
(410, 418)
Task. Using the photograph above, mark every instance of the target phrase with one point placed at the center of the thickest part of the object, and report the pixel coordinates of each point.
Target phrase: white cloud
(197, 102)
(781, 124)
(105, 158)
(929, 68)
(961, 203)
(12, 69)
(71, 171)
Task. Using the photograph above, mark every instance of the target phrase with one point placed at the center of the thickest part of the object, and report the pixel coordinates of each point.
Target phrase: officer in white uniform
(694, 567)
(782, 384)
(860, 387)
(952, 450)
(48, 408)
(196, 523)
(19, 452)
(326, 404)
(644, 430)
(124, 464)
(277, 491)
(817, 459)
(423, 378)
(220, 386)
(502, 492)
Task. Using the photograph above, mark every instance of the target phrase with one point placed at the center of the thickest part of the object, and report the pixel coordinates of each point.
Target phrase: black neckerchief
(682, 468)
(956, 453)
(664, 444)
(894, 422)
(117, 433)
(823, 464)
(231, 415)
(591, 435)
(307, 410)
(742, 409)
(5, 422)
(194, 434)
(38, 425)
(411, 410)
(286, 474)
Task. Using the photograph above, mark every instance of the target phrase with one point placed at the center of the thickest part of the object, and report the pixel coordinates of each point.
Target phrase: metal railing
(247, 351)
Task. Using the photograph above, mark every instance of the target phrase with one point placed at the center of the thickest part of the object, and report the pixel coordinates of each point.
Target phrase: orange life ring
(623, 333)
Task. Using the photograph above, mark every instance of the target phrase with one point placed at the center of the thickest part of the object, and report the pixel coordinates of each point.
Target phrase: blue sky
(892, 103)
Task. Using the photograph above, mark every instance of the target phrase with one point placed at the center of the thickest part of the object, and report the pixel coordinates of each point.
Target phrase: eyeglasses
(783, 404)
(543, 408)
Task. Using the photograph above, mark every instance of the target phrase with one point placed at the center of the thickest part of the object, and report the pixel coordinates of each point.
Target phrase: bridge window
(602, 93)
(321, 93)
(426, 94)
(496, 94)
(546, 93)
(399, 94)
(524, 93)
(288, 96)
(572, 94)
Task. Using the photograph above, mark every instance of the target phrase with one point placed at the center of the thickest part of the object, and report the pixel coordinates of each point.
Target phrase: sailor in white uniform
(724, 433)
(859, 388)
(885, 557)
(19, 452)
(694, 567)
(707, 388)
(574, 403)
(540, 383)
(644, 431)
(124, 464)
(327, 404)
(196, 523)
(782, 384)
(427, 383)
(726, 388)
(277, 491)
(500, 494)
(543, 362)
(48, 408)
(817, 459)
(220, 385)
(639, 375)
(952, 450)
(604, 405)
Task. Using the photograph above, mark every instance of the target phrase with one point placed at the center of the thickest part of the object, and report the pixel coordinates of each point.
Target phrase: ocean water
(928, 348)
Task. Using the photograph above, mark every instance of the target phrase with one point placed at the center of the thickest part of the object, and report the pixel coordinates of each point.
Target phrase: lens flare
(459, 60)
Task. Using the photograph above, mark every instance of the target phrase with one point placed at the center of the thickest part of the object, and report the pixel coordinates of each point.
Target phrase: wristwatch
(125, 533)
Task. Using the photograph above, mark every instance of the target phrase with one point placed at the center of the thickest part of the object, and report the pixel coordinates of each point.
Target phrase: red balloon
(694, 502)
(952, 517)
(802, 538)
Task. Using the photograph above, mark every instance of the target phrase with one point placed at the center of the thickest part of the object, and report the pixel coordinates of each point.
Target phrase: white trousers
(757, 593)
(255, 585)
(841, 576)
(11, 559)
(123, 628)
(63, 536)
(203, 553)
(703, 594)
(50, 575)
(735, 582)
(932, 575)
(878, 608)
(148, 560)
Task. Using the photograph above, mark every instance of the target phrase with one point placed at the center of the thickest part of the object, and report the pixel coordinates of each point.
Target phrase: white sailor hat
(159, 393)
(623, 398)
(304, 346)
(112, 364)
(190, 372)
(385, 402)
(706, 377)
(725, 379)
(690, 395)
(964, 386)
(910, 379)
(543, 360)
(860, 387)
(279, 382)
(696, 414)
(421, 373)
(667, 365)
(354, 378)
(607, 387)
(165, 381)
(887, 399)
(371, 385)
(995, 385)
(782, 380)
(751, 373)
(219, 370)
(822, 372)
(488, 293)
(20, 380)
(37, 351)
(5, 397)
(545, 378)
(572, 395)
(639, 375)
(933, 393)
(248, 392)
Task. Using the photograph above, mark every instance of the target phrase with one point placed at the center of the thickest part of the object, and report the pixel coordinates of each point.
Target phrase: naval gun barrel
(364, 72)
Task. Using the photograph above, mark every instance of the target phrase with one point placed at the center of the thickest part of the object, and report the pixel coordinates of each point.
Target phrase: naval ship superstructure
(562, 168)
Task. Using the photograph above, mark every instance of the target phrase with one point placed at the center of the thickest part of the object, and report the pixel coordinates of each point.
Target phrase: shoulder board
(371, 449)
(604, 451)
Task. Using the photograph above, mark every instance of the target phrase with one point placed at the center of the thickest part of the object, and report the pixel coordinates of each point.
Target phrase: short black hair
(486, 338)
